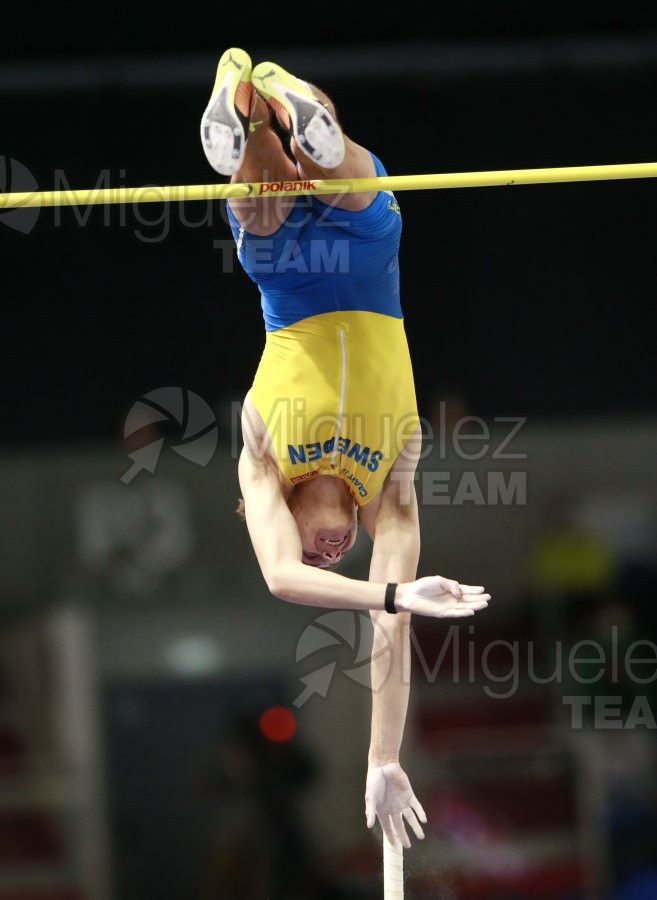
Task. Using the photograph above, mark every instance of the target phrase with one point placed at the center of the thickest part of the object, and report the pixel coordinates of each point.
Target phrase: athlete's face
(326, 517)
(326, 546)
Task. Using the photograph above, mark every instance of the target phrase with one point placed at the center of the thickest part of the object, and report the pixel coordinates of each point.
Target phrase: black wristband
(390, 597)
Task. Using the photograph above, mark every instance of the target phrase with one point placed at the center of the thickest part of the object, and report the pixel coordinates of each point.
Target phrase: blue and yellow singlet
(334, 385)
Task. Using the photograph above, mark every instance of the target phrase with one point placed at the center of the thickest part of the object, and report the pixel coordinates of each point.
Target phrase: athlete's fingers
(370, 814)
(445, 585)
(450, 586)
(418, 809)
(411, 818)
(389, 831)
(400, 828)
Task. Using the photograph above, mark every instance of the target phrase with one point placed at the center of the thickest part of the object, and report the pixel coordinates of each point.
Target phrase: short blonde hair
(241, 508)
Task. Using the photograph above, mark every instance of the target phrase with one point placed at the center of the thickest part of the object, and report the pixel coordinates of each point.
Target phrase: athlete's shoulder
(379, 168)
(255, 437)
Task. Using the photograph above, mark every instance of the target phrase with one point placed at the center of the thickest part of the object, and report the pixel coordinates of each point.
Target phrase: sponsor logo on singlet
(357, 484)
(306, 475)
(392, 203)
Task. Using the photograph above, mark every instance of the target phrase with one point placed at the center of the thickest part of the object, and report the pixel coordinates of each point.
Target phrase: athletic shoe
(313, 126)
(225, 122)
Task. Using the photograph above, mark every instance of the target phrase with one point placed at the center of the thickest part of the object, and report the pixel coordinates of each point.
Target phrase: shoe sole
(314, 128)
(224, 129)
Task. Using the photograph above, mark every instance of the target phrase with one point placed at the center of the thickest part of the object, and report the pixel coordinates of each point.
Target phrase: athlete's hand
(389, 798)
(442, 598)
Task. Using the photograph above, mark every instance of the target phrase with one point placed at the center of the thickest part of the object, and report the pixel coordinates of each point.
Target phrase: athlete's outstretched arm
(392, 522)
(277, 546)
(394, 527)
(389, 797)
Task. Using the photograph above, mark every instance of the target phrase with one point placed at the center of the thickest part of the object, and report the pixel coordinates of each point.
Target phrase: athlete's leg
(357, 163)
(225, 121)
(265, 159)
(317, 142)
(238, 141)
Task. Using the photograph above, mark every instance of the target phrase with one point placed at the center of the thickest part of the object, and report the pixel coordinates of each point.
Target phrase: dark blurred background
(140, 646)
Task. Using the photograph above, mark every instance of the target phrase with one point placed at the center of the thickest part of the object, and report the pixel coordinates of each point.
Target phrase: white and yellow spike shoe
(225, 122)
(314, 128)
